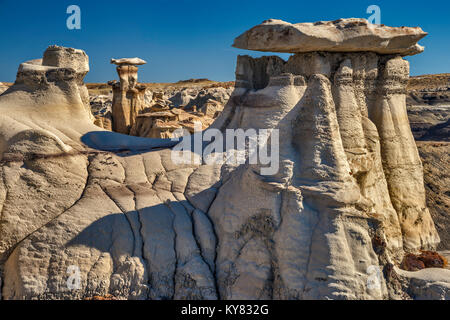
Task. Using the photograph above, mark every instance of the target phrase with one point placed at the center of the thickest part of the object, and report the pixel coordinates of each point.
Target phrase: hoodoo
(128, 94)
(334, 222)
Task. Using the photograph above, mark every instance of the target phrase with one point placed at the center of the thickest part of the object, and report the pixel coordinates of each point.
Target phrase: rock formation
(428, 104)
(334, 222)
(101, 107)
(128, 94)
(435, 157)
(163, 123)
(163, 112)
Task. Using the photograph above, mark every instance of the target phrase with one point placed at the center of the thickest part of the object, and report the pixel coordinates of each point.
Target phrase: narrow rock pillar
(128, 94)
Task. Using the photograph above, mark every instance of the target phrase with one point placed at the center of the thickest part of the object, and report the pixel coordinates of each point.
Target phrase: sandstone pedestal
(128, 94)
(334, 222)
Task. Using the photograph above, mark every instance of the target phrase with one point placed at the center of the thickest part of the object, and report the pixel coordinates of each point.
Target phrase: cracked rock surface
(348, 195)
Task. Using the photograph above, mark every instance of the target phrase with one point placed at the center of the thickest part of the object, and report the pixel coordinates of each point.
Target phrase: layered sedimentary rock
(351, 166)
(435, 156)
(162, 113)
(128, 94)
(101, 107)
(163, 123)
(333, 222)
(428, 109)
(428, 105)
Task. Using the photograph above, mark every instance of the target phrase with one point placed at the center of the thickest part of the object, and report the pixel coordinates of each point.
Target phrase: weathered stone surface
(128, 97)
(436, 162)
(42, 125)
(128, 61)
(164, 112)
(426, 284)
(139, 226)
(428, 103)
(162, 124)
(182, 107)
(343, 35)
(62, 57)
(101, 107)
(428, 107)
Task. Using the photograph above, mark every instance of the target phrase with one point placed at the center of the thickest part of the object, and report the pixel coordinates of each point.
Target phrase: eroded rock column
(401, 161)
(128, 94)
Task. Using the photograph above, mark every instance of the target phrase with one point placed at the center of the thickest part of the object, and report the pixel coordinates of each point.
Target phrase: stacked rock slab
(128, 94)
(332, 223)
(343, 35)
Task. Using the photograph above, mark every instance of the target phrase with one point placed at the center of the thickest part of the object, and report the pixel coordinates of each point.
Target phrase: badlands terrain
(428, 106)
(428, 103)
(358, 208)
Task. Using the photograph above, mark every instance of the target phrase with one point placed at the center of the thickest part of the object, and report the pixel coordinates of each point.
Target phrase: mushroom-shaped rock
(343, 35)
(128, 94)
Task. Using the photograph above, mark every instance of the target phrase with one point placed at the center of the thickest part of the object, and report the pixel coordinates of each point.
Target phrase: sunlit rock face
(349, 173)
(128, 94)
(344, 204)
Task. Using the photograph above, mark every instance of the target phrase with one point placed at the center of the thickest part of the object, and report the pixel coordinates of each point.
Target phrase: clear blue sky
(184, 39)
